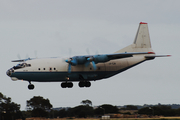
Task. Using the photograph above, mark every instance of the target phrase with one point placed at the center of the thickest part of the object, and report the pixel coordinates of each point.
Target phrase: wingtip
(151, 52)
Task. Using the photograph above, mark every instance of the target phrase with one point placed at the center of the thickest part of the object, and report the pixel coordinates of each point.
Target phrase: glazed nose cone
(9, 72)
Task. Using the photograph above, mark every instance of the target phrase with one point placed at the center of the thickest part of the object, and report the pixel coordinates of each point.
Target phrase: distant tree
(86, 102)
(59, 113)
(158, 110)
(105, 109)
(8, 109)
(131, 107)
(99, 111)
(81, 111)
(39, 106)
(62, 113)
(145, 110)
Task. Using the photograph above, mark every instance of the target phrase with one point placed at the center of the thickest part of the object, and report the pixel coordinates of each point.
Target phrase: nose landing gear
(30, 86)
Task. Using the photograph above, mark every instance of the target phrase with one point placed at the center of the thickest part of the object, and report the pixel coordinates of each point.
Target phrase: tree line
(40, 107)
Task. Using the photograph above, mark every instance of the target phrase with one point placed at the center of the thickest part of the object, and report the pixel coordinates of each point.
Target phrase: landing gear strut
(66, 84)
(30, 86)
(84, 84)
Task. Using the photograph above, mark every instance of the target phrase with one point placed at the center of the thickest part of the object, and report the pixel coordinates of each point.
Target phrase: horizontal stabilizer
(153, 56)
(124, 55)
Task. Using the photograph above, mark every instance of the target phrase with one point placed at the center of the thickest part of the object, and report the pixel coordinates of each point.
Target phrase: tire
(30, 86)
(88, 84)
(81, 84)
(63, 85)
(69, 85)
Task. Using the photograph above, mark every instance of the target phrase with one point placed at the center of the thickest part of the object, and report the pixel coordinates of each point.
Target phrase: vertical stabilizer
(142, 41)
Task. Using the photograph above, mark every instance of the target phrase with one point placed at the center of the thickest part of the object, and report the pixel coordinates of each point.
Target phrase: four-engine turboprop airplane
(86, 68)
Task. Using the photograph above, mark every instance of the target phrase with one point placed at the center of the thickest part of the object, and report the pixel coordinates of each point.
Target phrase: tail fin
(142, 41)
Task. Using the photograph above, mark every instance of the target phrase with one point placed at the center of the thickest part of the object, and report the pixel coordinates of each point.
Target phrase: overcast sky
(50, 28)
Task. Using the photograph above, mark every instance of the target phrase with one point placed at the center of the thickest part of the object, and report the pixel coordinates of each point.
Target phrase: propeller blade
(19, 57)
(94, 65)
(35, 53)
(68, 60)
(87, 63)
(87, 50)
(70, 51)
(69, 68)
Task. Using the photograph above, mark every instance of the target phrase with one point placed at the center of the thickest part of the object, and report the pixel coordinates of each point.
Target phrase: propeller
(85, 60)
(94, 65)
(69, 68)
(35, 53)
(91, 59)
(71, 61)
(69, 64)
(18, 56)
(87, 50)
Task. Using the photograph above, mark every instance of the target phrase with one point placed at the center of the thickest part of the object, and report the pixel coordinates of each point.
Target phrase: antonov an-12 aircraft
(86, 68)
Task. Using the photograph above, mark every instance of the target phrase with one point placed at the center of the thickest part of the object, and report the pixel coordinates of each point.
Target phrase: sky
(47, 28)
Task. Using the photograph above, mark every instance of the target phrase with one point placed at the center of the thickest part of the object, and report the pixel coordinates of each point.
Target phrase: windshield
(21, 65)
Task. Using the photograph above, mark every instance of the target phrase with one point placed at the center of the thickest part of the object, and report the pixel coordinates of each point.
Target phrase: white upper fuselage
(56, 69)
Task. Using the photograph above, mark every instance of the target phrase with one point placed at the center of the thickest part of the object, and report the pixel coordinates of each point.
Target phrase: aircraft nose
(9, 72)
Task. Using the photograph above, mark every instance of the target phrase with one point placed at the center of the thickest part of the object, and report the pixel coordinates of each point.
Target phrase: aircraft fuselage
(56, 70)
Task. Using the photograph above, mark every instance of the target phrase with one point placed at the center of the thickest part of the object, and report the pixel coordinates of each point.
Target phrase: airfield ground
(162, 118)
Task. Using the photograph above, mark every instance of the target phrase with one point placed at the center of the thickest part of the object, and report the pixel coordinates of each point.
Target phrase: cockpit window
(21, 65)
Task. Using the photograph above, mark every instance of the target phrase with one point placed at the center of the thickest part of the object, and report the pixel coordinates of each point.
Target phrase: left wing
(124, 55)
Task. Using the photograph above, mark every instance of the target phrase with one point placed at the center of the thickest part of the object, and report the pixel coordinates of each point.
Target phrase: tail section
(142, 41)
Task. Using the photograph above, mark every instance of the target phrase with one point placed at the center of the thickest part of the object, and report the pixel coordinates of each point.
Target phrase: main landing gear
(84, 84)
(67, 85)
(30, 86)
(70, 84)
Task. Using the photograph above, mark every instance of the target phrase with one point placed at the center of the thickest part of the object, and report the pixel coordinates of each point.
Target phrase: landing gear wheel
(30, 86)
(67, 84)
(81, 84)
(84, 84)
(88, 84)
(63, 85)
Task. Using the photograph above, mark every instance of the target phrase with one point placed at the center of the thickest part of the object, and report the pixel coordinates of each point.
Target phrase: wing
(22, 60)
(125, 55)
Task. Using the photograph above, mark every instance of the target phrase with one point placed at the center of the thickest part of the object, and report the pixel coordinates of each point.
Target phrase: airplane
(85, 68)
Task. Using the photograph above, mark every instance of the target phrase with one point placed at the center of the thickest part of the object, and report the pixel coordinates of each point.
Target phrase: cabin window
(50, 68)
(39, 68)
(44, 68)
(54, 68)
(28, 65)
(21, 65)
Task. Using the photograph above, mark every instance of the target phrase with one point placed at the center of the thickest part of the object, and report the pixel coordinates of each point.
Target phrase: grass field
(162, 118)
